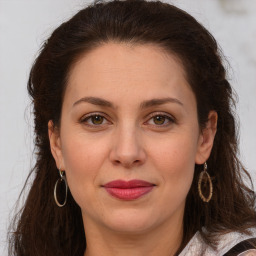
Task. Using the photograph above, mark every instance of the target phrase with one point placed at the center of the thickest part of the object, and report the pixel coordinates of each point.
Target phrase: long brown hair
(41, 227)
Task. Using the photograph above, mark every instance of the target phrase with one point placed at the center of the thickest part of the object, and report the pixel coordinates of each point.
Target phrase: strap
(242, 247)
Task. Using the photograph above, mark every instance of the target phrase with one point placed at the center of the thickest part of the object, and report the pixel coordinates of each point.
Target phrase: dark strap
(242, 247)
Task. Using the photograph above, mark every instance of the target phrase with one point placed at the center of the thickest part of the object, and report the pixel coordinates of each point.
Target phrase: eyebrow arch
(157, 102)
(95, 101)
(143, 105)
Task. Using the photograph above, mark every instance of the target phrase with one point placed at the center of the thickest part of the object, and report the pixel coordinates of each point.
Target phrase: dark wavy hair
(41, 227)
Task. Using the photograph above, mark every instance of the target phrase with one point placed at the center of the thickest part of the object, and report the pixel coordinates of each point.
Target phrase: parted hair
(41, 227)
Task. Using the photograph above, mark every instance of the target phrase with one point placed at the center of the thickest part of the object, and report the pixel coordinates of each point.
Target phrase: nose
(127, 149)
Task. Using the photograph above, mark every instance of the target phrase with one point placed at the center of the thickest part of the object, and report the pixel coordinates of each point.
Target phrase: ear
(206, 138)
(54, 138)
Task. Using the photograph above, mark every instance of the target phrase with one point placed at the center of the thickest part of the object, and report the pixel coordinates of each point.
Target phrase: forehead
(115, 68)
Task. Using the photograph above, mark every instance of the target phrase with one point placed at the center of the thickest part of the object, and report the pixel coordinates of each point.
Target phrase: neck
(164, 240)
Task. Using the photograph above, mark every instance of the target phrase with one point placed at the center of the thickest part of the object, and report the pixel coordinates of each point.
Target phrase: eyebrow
(95, 101)
(145, 104)
(157, 102)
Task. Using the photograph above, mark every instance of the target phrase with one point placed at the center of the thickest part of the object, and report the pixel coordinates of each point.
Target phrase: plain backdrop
(25, 24)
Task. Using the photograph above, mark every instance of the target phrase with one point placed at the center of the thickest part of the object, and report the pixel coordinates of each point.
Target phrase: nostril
(117, 162)
(126, 164)
(126, 156)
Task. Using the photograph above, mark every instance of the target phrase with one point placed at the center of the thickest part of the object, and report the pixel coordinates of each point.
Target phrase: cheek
(174, 152)
(82, 158)
(175, 161)
(82, 152)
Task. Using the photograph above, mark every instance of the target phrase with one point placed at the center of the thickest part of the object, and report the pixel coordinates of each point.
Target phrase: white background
(24, 24)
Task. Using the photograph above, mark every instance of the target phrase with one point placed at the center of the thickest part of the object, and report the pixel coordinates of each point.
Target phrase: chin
(131, 221)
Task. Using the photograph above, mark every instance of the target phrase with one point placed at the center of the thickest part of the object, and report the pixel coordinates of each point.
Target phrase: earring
(205, 179)
(62, 178)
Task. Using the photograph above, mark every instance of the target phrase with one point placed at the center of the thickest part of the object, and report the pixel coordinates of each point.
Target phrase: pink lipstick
(128, 190)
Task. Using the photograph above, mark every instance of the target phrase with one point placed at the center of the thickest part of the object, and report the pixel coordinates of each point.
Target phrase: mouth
(128, 190)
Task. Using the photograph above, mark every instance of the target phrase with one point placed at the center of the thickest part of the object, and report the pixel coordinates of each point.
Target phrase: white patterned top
(197, 247)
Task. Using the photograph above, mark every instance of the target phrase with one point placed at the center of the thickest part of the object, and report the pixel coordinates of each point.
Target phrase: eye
(160, 120)
(94, 120)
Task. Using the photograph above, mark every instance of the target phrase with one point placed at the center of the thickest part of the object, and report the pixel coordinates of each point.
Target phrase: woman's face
(129, 114)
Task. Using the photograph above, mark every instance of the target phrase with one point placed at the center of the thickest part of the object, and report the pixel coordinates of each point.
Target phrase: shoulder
(235, 243)
(230, 244)
(244, 248)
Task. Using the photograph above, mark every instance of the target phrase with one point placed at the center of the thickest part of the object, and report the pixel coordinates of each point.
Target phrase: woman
(136, 140)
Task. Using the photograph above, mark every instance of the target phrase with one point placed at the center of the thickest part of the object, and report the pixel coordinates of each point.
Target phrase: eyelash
(170, 120)
(89, 116)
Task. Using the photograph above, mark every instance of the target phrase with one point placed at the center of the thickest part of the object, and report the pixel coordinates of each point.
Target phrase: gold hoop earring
(208, 179)
(62, 178)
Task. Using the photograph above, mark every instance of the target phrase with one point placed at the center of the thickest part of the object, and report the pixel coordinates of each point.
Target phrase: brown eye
(97, 119)
(94, 120)
(159, 120)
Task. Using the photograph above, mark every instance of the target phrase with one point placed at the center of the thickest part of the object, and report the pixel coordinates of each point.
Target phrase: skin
(130, 143)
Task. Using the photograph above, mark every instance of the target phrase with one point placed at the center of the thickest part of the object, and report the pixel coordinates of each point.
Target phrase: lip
(128, 190)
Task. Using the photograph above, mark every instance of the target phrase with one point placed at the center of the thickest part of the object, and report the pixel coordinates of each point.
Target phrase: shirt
(197, 246)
